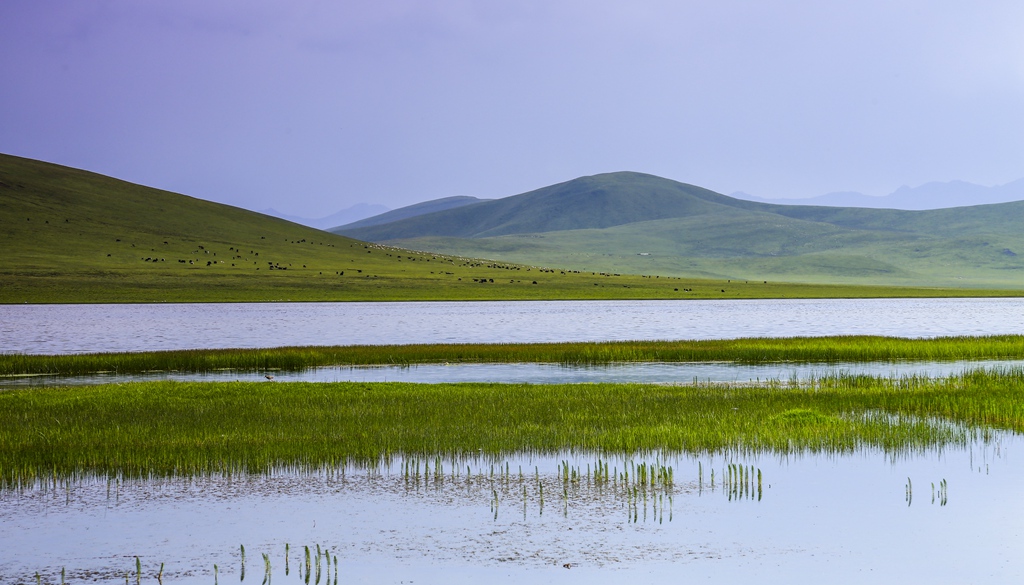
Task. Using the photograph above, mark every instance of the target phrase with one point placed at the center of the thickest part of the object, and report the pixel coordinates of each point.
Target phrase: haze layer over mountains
(933, 195)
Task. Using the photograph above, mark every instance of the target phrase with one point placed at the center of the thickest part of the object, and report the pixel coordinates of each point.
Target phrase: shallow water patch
(543, 373)
(428, 521)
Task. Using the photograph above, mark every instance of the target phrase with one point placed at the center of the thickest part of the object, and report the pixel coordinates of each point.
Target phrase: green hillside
(631, 222)
(600, 201)
(68, 235)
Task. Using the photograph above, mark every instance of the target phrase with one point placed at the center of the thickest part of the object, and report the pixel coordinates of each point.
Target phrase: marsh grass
(141, 430)
(744, 350)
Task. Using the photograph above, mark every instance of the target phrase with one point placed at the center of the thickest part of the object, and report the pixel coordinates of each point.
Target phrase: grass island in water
(747, 351)
(184, 429)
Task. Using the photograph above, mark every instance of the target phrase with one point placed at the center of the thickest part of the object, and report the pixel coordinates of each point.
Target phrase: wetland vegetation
(744, 351)
(168, 429)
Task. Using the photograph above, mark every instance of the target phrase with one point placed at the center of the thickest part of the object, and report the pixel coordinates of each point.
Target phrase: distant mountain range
(345, 216)
(935, 195)
(928, 196)
(639, 223)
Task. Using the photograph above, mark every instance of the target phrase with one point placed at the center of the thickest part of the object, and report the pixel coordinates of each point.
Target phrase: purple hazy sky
(312, 106)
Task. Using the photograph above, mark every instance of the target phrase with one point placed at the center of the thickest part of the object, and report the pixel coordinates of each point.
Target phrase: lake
(940, 516)
(45, 329)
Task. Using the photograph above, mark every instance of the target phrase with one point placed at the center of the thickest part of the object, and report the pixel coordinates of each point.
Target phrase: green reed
(747, 350)
(171, 429)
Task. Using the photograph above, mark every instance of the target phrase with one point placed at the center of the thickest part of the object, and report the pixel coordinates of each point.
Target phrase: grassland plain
(70, 236)
(182, 429)
(748, 351)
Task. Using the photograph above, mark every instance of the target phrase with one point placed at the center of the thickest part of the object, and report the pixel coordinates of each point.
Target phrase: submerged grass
(170, 429)
(748, 350)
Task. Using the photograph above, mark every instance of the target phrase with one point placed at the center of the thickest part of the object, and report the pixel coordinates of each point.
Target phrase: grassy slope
(603, 223)
(72, 236)
(719, 246)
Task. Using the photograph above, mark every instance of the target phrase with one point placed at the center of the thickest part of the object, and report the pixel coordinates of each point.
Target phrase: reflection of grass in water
(308, 563)
(577, 483)
(743, 483)
(598, 493)
(92, 574)
(167, 428)
(748, 351)
(644, 489)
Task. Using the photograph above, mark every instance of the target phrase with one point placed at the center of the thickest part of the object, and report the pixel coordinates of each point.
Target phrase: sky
(312, 106)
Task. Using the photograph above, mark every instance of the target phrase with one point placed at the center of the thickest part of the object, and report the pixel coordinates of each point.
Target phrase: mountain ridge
(586, 202)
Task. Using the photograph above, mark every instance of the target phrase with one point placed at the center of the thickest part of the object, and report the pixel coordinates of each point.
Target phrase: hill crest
(591, 202)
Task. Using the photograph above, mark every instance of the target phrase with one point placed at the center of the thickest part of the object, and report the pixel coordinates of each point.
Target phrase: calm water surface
(819, 518)
(646, 373)
(97, 328)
